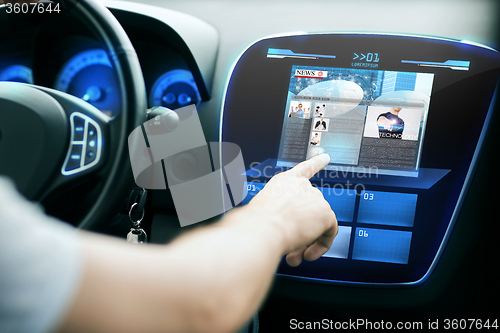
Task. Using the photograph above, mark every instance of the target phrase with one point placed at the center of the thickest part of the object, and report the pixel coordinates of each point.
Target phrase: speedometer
(17, 73)
(174, 90)
(89, 75)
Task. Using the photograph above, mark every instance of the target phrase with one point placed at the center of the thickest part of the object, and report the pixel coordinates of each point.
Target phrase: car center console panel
(402, 118)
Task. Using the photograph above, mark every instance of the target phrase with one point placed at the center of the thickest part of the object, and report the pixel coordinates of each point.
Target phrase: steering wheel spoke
(62, 136)
(88, 131)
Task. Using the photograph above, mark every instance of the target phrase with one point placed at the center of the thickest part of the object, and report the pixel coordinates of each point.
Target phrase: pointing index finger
(312, 166)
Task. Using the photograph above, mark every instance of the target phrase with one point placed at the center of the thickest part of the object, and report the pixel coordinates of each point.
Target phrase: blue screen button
(342, 202)
(387, 208)
(391, 246)
(340, 245)
(253, 189)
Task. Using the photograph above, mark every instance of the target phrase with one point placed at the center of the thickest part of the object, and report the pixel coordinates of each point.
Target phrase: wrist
(267, 226)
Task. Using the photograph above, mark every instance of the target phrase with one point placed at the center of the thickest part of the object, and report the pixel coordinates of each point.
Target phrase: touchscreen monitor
(403, 119)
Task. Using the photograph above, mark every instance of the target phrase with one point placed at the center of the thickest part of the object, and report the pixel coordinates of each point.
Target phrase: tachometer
(17, 73)
(174, 90)
(90, 76)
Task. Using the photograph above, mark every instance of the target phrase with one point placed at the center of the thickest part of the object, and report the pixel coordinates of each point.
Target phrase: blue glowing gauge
(174, 90)
(17, 73)
(90, 76)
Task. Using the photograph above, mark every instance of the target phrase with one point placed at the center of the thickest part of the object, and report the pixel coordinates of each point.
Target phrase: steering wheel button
(91, 132)
(78, 127)
(90, 156)
(75, 158)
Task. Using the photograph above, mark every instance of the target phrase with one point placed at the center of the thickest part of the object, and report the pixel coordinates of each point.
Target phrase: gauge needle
(93, 94)
(183, 99)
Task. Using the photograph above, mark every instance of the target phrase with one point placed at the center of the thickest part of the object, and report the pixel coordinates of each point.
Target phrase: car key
(136, 234)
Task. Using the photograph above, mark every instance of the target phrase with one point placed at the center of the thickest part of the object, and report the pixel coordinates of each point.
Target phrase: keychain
(136, 235)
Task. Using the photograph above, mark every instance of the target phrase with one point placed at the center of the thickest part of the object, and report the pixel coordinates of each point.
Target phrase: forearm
(211, 279)
(235, 260)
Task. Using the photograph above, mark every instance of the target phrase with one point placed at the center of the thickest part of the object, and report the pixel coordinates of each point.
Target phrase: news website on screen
(362, 118)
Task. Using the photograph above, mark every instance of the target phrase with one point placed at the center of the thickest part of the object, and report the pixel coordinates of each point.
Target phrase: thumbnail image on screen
(362, 118)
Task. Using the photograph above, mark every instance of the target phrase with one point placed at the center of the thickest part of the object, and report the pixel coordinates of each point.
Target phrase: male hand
(299, 210)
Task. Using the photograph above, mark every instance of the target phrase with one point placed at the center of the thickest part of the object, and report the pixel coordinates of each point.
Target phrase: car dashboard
(72, 60)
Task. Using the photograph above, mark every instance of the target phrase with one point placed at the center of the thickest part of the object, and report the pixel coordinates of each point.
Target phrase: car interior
(403, 95)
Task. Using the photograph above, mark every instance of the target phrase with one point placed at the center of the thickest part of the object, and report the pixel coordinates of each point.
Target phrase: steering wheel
(51, 142)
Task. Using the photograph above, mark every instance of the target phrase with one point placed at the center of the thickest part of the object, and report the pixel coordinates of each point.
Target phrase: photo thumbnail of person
(319, 110)
(393, 122)
(315, 138)
(390, 125)
(299, 109)
(321, 124)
